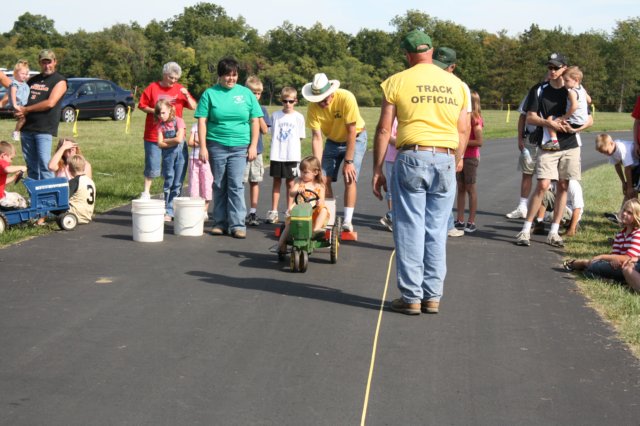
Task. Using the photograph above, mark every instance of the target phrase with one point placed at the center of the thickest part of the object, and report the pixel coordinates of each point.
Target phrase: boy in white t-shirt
(287, 130)
(623, 156)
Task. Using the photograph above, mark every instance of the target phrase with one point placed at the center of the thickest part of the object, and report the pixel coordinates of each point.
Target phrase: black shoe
(612, 217)
(538, 228)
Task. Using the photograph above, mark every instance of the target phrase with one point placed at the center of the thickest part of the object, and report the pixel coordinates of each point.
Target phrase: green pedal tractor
(301, 236)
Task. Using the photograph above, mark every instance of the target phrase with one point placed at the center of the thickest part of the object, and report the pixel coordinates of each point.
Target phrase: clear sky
(515, 16)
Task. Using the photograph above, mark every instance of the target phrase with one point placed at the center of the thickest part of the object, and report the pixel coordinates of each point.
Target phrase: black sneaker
(612, 217)
(538, 228)
(252, 219)
(459, 225)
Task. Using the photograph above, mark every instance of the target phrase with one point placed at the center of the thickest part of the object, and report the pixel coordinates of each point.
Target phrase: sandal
(568, 264)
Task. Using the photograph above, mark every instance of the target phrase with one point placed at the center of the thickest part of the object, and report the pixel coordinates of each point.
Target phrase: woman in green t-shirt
(228, 129)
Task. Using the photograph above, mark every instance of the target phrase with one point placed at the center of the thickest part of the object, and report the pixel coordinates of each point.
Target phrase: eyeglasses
(552, 68)
(288, 101)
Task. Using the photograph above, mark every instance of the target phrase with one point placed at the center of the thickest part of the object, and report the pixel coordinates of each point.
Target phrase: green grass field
(117, 159)
(614, 302)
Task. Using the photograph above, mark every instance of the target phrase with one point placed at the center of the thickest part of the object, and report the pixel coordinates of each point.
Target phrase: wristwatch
(348, 161)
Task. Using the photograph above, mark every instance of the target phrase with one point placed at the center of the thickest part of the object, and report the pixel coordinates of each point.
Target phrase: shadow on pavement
(294, 289)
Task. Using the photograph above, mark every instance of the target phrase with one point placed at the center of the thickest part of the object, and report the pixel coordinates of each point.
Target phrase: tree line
(501, 68)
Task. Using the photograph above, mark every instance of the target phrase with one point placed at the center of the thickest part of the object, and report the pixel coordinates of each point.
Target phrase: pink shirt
(473, 151)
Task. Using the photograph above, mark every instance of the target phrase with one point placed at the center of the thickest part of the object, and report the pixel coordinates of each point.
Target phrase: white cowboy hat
(320, 88)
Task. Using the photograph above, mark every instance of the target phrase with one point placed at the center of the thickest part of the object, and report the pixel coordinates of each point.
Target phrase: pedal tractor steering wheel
(307, 199)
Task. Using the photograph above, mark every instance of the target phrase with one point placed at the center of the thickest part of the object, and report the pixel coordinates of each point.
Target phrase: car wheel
(119, 112)
(69, 115)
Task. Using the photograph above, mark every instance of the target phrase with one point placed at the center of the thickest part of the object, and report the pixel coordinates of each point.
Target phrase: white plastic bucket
(188, 219)
(148, 220)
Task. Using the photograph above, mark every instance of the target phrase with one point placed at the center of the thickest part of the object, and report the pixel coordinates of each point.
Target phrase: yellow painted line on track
(375, 342)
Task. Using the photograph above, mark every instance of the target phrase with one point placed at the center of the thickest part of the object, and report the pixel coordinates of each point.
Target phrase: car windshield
(73, 85)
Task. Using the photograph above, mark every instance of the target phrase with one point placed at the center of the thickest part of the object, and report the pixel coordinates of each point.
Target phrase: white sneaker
(519, 213)
(555, 240)
(272, 217)
(347, 226)
(144, 196)
(15, 136)
(455, 232)
(522, 239)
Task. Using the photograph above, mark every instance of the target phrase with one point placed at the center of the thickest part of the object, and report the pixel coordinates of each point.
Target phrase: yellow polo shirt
(333, 120)
(428, 102)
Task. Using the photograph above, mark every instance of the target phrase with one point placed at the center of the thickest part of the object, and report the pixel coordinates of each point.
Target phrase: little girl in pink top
(200, 177)
(467, 177)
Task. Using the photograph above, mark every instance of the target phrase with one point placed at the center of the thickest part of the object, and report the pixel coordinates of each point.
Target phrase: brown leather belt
(428, 148)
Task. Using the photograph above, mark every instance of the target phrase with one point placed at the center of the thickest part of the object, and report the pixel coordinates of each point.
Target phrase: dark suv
(94, 97)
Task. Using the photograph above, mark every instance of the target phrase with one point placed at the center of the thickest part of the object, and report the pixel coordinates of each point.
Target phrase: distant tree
(35, 31)
(624, 58)
(206, 19)
(412, 20)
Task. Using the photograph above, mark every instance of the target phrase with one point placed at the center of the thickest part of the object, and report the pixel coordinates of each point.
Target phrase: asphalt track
(96, 329)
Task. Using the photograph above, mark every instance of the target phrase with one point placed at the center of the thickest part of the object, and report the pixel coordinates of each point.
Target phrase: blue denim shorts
(152, 159)
(333, 155)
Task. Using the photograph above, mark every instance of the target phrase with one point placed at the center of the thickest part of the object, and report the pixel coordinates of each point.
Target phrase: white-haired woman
(167, 88)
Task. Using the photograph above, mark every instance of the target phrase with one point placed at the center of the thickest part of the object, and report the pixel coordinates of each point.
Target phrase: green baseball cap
(416, 38)
(444, 57)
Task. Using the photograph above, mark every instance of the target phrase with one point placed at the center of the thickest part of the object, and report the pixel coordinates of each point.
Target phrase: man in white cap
(334, 113)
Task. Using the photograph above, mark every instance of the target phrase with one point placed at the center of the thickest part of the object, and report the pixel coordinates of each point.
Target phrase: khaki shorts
(556, 165)
(522, 164)
(254, 171)
(469, 171)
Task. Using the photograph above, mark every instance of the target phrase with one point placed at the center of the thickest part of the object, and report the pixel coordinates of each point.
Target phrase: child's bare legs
(321, 219)
(290, 185)
(580, 264)
(19, 124)
(470, 188)
(254, 194)
(282, 241)
(631, 276)
(552, 133)
(275, 193)
(460, 201)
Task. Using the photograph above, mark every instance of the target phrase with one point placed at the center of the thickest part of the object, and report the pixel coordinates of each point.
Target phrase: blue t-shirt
(22, 93)
(228, 113)
(267, 119)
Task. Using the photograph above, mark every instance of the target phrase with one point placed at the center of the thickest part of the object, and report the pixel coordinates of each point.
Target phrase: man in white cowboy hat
(430, 106)
(334, 113)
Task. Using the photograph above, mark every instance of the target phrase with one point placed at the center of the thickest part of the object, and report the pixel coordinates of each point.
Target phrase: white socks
(348, 214)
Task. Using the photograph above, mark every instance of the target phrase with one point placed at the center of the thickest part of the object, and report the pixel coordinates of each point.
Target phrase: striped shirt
(627, 244)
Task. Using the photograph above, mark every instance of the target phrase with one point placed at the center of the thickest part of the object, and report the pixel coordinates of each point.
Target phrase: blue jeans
(424, 188)
(333, 155)
(174, 169)
(227, 165)
(152, 159)
(603, 269)
(36, 150)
